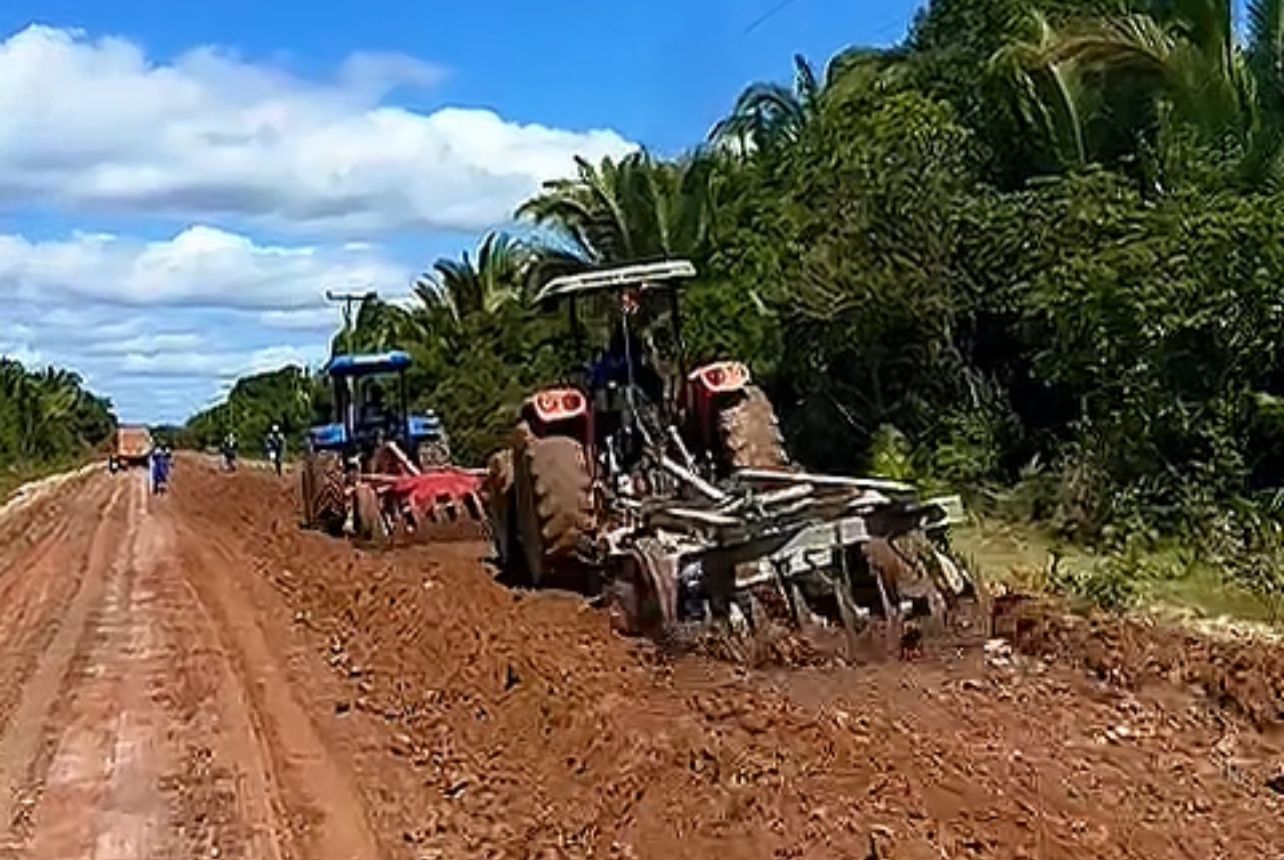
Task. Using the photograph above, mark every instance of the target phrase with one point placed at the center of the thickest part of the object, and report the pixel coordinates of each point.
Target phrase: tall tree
(768, 115)
(1148, 86)
(635, 209)
(465, 286)
(1044, 95)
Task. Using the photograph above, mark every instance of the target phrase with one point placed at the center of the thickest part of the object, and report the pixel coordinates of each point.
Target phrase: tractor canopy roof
(646, 275)
(368, 364)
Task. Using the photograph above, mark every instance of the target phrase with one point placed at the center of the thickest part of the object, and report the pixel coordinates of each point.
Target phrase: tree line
(1034, 252)
(47, 418)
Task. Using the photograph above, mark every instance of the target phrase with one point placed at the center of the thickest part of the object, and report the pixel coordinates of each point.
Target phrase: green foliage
(477, 373)
(1113, 583)
(288, 397)
(891, 456)
(47, 417)
(634, 209)
(1042, 239)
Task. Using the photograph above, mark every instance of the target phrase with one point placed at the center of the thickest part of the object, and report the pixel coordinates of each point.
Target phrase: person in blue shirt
(624, 357)
(160, 468)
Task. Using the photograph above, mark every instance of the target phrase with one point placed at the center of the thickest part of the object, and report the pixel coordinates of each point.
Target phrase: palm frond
(1133, 44)
(1266, 52)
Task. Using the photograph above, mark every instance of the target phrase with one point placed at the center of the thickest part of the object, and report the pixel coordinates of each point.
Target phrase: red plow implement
(435, 504)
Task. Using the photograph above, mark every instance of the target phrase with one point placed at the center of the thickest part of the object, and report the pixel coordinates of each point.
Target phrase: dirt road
(192, 676)
(146, 715)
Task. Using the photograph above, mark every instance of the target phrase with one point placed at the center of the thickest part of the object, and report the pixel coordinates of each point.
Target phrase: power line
(762, 19)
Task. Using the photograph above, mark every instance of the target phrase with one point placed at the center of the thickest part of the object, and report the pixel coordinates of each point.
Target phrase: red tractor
(668, 487)
(582, 445)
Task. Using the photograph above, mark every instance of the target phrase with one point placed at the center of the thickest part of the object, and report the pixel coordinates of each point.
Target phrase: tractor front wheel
(502, 521)
(306, 493)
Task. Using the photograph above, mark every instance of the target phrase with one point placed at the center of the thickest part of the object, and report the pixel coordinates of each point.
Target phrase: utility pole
(349, 299)
(346, 401)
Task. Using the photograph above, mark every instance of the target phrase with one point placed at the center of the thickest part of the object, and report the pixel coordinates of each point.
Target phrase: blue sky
(179, 183)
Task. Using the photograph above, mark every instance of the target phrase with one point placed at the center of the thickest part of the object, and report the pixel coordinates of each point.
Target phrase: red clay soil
(195, 676)
(530, 729)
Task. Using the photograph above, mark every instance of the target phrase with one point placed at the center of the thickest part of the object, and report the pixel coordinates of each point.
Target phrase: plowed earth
(193, 676)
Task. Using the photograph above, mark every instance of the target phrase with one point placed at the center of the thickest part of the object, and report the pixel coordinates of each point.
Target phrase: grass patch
(14, 475)
(1167, 577)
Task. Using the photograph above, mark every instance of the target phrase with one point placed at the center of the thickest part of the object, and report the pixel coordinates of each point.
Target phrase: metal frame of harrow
(763, 529)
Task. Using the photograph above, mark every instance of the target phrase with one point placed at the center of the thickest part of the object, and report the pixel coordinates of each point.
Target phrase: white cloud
(200, 266)
(161, 326)
(147, 344)
(94, 122)
(226, 364)
(301, 319)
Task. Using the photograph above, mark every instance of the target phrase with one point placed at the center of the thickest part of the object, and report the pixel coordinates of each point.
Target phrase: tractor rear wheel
(554, 507)
(750, 433)
(501, 519)
(367, 516)
(329, 504)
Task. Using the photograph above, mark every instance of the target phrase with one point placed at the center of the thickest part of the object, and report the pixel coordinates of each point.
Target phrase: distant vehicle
(131, 447)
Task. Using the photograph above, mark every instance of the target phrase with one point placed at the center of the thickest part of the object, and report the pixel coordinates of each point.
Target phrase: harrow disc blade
(442, 505)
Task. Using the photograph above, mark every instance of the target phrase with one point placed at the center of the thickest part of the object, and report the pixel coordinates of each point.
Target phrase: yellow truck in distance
(131, 447)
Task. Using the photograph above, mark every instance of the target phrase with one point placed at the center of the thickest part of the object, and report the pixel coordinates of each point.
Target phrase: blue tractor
(372, 442)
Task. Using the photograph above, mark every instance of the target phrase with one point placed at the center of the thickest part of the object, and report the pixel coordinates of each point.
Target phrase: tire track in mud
(156, 720)
(21, 748)
(104, 743)
(320, 814)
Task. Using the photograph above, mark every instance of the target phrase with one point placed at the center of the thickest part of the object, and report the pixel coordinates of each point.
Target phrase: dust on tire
(750, 433)
(554, 503)
(329, 507)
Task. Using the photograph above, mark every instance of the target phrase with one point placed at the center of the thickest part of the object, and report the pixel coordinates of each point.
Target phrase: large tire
(501, 515)
(367, 518)
(329, 502)
(554, 507)
(750, 434)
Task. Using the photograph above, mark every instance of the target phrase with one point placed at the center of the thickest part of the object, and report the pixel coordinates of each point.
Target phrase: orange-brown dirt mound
(508, 724)
(1245, 677)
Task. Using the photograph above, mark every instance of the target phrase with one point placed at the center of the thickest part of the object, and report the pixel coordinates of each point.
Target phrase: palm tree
(768, 114)
(1044, 94)
(464, 286)
(1265, 63)
(617, 212)
(48, 402)
(1188, 58)
(1182, 69)
(378, 326)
